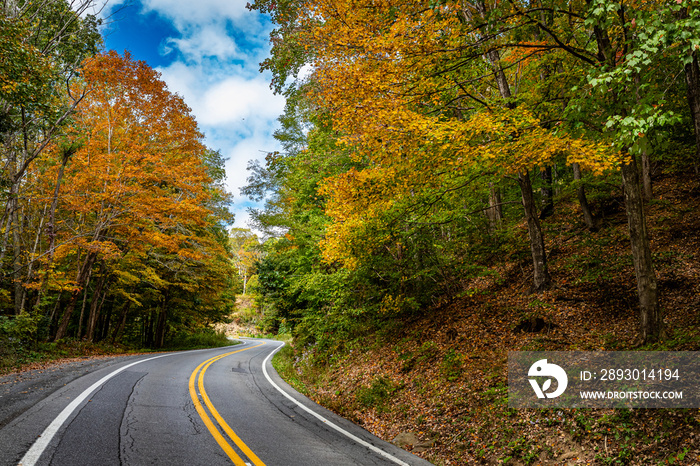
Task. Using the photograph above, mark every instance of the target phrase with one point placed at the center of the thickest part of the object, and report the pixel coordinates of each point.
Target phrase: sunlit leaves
(399, 81)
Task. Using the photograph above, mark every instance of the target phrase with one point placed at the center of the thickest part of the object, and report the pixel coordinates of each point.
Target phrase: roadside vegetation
(462, 179)
(18, 354)
(441, 373)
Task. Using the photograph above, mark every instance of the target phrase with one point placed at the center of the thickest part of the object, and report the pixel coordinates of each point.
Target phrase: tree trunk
(148, 331)
(16, 259)
(542, 279)
(494, 60)
(79, 333)
(122, 323)
(557, 175)
(583, 200)
(494, 212)
(692, 79)
(11, 227)
(51, 227)
(82, 277)
(547, 193)
(12, 198)
(650, 317)
(500, 77)
(646, 163)
(52, 315)
(30, 266)
(162, 319)
(646, 176)
(95, 305)
(105, 318)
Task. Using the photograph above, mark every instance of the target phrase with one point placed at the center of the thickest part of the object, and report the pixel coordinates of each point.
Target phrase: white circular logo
(542, 368)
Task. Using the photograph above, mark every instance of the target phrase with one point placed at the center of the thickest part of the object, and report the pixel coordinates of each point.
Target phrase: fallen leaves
(467, 416)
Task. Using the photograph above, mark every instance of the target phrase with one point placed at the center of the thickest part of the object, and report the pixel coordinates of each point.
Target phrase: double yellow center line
(198, 377)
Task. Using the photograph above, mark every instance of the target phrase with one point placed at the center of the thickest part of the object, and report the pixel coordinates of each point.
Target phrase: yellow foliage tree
(393, 77)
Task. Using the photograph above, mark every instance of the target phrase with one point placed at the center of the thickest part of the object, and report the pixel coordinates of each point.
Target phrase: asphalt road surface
(208, 407)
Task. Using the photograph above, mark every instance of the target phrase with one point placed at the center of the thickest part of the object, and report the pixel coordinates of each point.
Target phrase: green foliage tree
(43, 45)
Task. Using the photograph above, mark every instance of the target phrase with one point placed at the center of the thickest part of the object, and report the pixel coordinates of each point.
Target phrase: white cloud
(186, 12)
(219, 48)
(210, 28)
(236, 98)
(205, 43)
(238, 114)
(235, 101)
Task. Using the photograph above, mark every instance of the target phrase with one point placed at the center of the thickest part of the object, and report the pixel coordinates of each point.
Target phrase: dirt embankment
(443, 376)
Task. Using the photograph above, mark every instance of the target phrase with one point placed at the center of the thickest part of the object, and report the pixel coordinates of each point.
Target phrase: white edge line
(323, 419)
(34, 453)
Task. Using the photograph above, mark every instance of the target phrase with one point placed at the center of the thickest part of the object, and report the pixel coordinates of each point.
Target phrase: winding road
(207, 407)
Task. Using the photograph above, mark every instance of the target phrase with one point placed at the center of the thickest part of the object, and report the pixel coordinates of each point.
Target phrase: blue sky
(143, 33)
(207, 51)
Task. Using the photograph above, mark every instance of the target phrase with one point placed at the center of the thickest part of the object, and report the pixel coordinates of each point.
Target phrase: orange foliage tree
(134, 212)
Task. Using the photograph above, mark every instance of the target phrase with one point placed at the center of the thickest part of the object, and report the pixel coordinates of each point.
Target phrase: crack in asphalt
(189, 410)
(126, 439)
(125, 418)
(75, 415)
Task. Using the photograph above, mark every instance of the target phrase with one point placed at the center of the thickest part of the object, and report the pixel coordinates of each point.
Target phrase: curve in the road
(339, 429)
(310, 434)
(228, 449)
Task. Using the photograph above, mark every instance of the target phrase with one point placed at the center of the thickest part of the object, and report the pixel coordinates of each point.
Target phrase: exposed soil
(244, 321)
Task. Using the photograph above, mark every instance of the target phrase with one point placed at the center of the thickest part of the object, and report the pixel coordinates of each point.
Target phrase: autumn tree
(137, 191)
(244, 245)
(425, 96)
(398, 86)
(114, 212)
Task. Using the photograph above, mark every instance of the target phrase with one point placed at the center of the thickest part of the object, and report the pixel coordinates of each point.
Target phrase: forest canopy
(423, 140)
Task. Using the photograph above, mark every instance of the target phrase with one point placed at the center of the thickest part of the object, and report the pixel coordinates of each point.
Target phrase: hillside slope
(443, 376)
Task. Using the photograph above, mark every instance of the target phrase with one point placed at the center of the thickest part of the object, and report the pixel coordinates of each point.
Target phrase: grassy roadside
(284, 363)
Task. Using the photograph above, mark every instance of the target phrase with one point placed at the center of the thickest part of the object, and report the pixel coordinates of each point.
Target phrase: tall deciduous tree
(138, 186)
